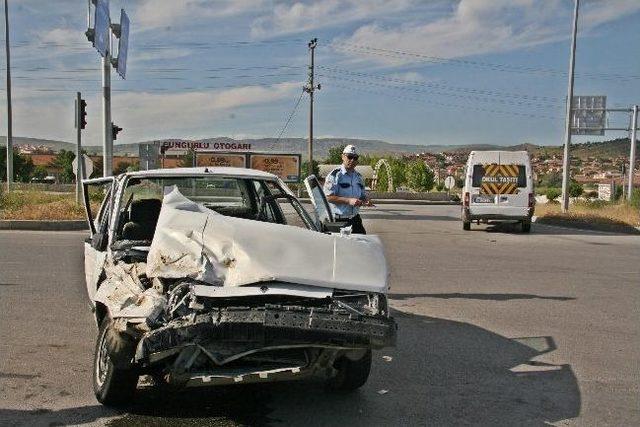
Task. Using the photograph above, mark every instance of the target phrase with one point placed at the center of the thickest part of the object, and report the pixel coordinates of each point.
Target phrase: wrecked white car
(208, 276)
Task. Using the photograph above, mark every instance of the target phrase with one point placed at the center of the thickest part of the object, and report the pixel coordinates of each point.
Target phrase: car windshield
(248, 198)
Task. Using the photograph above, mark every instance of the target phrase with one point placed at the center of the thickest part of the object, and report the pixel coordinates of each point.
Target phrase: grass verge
(38, 205)
(594, 215)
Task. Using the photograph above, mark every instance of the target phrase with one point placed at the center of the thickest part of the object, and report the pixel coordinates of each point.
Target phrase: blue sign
(101, 26)
(123, 44)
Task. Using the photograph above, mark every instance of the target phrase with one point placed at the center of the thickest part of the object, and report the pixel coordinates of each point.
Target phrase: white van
(498, 186)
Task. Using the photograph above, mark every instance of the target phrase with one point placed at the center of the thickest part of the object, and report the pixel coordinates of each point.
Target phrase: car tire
(526, 226)
(466, 225)
(113, 385)
(352, 374)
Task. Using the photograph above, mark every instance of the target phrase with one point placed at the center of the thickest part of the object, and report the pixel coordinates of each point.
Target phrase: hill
(605, 149)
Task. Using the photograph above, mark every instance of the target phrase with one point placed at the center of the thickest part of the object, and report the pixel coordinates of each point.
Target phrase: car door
(98, 202)
(319, 200)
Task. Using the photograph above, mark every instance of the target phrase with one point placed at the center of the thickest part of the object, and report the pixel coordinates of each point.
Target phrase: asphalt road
(495, 328)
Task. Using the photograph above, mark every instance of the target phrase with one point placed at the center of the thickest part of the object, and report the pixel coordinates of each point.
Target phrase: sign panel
(148, 154)
(285, 166)
(88, 166)
(123, 44)
(204, 146)
(101, 26)
(449, 182)
(221, 159)
(606, 191)
(588, 115)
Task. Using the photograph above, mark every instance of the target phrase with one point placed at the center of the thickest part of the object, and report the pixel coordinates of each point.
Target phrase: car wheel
(466, 225)
(352, 374)
(113, 385)
(526, 226)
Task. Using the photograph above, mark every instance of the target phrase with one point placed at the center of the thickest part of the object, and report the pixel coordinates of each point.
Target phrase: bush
(635, 198)
(553, 193)
(440, 186)
(575, 189)
(591, 194)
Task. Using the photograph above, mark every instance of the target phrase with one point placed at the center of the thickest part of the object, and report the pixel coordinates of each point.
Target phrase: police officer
(344, 188)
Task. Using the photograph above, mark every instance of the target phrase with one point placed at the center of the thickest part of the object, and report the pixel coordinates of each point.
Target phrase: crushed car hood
(195, 242)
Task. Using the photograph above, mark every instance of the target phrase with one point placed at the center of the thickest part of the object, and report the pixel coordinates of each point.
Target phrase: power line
(350, 47)
(443, 86)
(293, 112)
(442, 104)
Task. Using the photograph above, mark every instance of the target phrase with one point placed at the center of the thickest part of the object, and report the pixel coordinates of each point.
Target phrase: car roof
(204, 171)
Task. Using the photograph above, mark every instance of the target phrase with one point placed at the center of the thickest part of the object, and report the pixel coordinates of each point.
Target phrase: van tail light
(466, 199)
(532, 200)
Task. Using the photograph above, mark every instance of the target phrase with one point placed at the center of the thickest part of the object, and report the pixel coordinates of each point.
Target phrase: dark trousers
(356, 225)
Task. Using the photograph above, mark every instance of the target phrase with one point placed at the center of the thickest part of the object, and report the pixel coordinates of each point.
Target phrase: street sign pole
(9, 118)
(107, 142)
(632, 154)
(79, 159)
(567, 142)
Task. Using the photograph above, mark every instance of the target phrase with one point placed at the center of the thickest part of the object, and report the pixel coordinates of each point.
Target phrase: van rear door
(512, 180)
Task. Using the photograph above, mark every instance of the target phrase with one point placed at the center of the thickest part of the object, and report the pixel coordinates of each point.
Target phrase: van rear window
(499, 175)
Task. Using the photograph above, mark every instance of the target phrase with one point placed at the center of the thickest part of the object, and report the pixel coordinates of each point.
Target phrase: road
(495, 328)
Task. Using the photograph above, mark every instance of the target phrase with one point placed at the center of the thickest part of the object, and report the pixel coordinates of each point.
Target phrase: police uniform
(343, 183)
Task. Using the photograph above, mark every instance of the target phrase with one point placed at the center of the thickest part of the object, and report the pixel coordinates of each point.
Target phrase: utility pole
(9, 118)
(310, 88)
(566, 163)
(632, 154)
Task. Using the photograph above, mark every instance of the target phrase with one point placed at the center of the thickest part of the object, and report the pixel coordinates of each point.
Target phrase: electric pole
(107, 141)
(566, 163)
(9, 122)
(632, 154)
(310, 87)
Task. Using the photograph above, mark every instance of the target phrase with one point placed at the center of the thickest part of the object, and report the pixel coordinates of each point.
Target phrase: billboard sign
(285, 166)
(588, 115)
(123, 44)
(101, 26)
(221, 160)
(179, 145)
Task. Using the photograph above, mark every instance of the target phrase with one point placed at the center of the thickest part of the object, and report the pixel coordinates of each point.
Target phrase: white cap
(349, 149)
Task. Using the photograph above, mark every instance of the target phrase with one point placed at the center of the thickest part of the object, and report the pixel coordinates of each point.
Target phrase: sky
(402, 71)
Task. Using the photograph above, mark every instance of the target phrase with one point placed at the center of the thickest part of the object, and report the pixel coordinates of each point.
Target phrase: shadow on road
(441, 373)
(409, 217)
(486, 297)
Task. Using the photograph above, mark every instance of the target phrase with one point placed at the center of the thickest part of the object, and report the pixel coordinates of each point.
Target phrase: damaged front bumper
(271, 325)
(270, 343)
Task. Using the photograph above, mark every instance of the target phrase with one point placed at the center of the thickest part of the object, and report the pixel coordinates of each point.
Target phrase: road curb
(406, 202)
(26, 224)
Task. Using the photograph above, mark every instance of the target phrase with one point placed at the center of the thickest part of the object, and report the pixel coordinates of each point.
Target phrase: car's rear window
(499, 174)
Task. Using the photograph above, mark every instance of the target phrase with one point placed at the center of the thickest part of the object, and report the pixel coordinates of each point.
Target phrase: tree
(22, 166)
(305, 168)
(64, 161)
(398, 171)
(125, 166)
(382, 183)
(186, 160)
(419, 176)
(40, 173)
(334, 156)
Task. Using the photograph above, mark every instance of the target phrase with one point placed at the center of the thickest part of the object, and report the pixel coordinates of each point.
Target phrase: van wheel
(352, 374)
(466, 225)
(113, 385)
(526, 226)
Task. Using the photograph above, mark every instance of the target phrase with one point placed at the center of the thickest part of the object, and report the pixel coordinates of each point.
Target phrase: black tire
(352, 374)
(466, 225)
(113, 385)
(526, 226)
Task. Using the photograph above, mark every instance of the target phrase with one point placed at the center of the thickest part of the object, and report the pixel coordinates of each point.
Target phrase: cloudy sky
(404, 71)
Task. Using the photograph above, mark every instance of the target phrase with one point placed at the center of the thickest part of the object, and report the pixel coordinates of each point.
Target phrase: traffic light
(114, 131)
(83, 114)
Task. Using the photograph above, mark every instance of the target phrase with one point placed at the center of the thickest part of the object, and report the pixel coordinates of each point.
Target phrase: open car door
(324, 217)
(98, 203)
